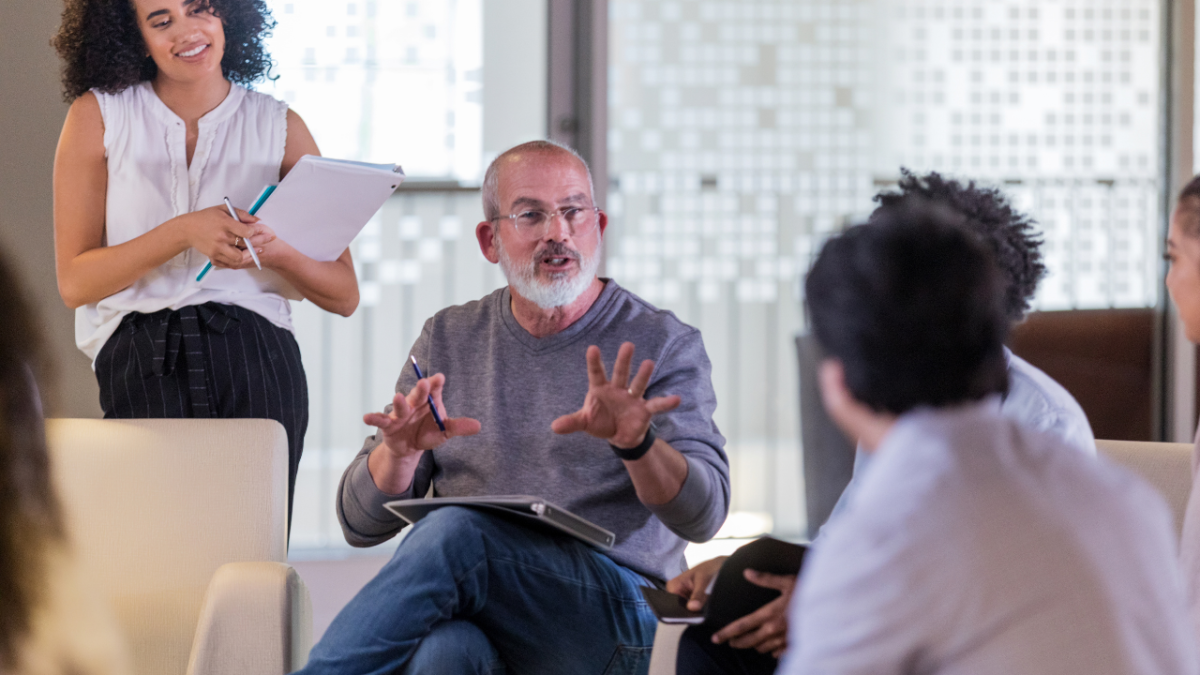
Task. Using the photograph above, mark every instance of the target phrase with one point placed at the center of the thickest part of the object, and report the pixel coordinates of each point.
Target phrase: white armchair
(1166, 466)
(183, 525)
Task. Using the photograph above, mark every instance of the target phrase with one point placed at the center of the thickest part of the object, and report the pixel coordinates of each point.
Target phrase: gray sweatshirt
(516, 385)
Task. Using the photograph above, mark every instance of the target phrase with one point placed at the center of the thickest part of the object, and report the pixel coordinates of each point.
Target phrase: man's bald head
(535, 149)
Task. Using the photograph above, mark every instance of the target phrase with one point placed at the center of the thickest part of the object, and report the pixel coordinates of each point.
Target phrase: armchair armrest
(256, 618)
(666, 647)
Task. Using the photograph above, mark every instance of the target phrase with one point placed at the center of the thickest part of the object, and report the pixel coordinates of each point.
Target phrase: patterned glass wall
(744, 132)
(396, 81)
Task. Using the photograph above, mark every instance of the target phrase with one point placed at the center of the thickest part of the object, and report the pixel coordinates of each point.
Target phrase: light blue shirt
(1034, 400)
(978, 546)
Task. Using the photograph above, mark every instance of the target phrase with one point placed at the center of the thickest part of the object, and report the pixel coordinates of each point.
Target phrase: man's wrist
(639, 450)
(391, 471)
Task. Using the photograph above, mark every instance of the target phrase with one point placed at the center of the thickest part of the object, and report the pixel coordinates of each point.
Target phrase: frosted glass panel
(396, 81)
(744, 132)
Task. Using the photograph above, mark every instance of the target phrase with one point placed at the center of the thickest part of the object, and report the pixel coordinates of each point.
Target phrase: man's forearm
(392, 473)
(659, 474)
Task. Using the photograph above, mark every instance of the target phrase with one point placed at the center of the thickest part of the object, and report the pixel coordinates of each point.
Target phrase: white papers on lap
(320, 207)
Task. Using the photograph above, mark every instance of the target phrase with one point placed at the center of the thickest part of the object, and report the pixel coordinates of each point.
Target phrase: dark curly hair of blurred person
(102, 47)
(912, 304)
(1010, 235)
(31, 521)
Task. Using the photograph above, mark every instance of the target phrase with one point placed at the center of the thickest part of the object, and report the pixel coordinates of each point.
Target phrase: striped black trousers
(210, 360)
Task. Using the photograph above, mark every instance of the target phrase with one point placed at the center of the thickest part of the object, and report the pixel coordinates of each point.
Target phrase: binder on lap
(533, 510)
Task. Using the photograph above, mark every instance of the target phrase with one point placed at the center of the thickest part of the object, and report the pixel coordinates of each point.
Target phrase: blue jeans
(472, 592)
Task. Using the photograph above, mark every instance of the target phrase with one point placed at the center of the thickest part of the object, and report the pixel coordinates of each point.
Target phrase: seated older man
(469, 592)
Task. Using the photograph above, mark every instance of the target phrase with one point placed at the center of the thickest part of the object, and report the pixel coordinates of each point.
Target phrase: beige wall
(31, 114)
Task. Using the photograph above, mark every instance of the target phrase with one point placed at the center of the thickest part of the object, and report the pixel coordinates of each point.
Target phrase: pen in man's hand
(249, 246)
(436, 417)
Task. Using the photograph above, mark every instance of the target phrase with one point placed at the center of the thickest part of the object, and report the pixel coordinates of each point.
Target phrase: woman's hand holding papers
(217, 236)
(262, 242)
(330, 285)
(408, 429)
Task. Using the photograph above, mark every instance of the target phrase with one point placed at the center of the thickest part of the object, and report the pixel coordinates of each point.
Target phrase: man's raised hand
(409, 427)
(614, 409)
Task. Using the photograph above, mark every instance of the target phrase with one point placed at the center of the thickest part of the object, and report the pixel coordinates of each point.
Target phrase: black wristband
(634, 453)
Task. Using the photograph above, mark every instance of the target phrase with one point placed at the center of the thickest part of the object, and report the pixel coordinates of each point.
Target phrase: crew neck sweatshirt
(516, 384)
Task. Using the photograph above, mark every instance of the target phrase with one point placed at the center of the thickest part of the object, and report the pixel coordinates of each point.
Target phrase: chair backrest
(828, 454)
(154, 507)
(1166, 466)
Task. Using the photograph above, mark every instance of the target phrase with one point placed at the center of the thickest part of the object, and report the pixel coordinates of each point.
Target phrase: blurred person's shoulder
(1037, 401)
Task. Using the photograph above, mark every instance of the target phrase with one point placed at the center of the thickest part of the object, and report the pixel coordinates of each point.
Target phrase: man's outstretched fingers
(641, 379)
(621, 367)
(461, 426)
(663, 404)
(569, 424)
(376, 420)
(416, 396)
(595, 367)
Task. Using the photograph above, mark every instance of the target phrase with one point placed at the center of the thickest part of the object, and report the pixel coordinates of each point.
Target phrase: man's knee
(455, 521)
(455, 648)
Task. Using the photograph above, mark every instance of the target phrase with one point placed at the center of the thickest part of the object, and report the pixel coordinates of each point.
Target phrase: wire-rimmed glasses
(531, 224)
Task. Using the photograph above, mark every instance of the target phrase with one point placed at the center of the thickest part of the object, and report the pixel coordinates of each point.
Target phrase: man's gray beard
(551, 294)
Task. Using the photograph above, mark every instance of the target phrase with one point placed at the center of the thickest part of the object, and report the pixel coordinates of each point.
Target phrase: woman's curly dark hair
(102, 47)
(1010, 235)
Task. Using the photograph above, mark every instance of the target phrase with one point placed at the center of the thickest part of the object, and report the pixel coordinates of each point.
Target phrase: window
(399, 81)
(774, 124)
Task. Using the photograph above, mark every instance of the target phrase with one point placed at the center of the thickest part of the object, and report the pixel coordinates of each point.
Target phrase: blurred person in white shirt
(974, 544)
(750, 645)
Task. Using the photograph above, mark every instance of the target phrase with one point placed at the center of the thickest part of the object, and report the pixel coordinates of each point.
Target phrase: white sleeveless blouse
(238, 152)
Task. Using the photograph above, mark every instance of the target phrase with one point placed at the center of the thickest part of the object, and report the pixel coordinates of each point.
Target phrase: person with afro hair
(161, 129)
(752, 644)
(1033, 398)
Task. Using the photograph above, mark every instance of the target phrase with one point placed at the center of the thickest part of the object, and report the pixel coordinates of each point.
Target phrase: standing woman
(159, 131)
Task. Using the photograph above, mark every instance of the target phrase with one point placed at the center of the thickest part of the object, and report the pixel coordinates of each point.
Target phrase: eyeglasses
(532, 225)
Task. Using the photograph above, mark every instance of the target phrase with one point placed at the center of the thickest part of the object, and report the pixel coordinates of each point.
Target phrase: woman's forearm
(100, 272)
(332, 286)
